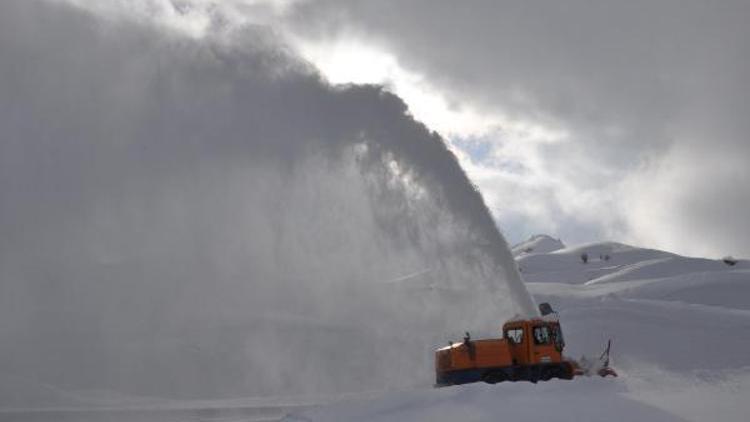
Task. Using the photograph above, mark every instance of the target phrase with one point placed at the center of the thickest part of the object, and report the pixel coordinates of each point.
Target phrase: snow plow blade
(605, 370)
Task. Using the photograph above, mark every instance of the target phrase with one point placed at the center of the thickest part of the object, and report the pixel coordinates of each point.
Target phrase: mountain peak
(538, 243)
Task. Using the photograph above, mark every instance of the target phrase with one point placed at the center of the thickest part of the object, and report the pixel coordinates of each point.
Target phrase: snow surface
(681, 344)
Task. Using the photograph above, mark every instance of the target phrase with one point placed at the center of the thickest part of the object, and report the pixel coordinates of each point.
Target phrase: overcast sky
(587, 120)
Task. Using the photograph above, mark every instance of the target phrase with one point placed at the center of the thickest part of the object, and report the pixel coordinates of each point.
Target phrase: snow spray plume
(205, 217)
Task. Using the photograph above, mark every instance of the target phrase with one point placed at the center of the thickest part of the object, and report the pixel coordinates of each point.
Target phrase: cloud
(709, 218)
(633, 84)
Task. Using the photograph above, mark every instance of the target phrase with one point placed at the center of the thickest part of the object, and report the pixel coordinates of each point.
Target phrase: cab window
(514, 335)
(541, 335)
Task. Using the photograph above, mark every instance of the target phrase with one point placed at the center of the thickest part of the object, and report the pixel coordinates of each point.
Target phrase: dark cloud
(631, 83)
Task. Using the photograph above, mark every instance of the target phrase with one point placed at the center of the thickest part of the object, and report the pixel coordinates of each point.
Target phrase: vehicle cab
(534, 341)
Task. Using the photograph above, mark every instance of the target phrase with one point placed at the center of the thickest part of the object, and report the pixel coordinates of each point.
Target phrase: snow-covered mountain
(681, 343)
(537, 244)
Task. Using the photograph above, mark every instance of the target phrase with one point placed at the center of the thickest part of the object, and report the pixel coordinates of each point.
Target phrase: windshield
(541, 335)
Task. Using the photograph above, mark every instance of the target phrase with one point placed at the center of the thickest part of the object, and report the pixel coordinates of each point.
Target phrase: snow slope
(681, 344)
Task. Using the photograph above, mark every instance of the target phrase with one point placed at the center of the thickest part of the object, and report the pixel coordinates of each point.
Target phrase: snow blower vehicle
(529, 350)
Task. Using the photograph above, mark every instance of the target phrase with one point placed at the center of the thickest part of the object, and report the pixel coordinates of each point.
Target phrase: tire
(493, 377)
(534, 374)
(546, 374)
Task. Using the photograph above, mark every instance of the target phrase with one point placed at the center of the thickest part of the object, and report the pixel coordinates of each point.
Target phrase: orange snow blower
(530, 350)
